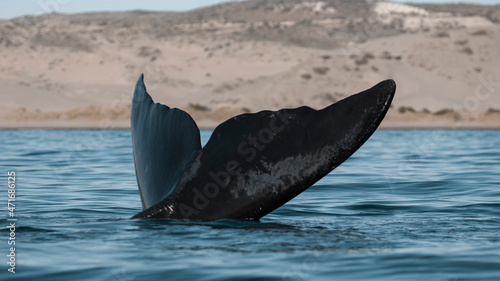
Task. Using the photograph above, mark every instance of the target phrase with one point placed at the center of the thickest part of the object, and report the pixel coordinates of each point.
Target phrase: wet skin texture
(253, 163)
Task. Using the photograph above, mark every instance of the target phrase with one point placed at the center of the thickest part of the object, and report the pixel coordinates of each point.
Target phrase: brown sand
(79, 71)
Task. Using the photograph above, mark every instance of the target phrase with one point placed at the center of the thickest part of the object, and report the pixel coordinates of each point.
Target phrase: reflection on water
(409, 205)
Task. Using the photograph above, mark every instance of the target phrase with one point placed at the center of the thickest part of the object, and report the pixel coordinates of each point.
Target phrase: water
(409, 205)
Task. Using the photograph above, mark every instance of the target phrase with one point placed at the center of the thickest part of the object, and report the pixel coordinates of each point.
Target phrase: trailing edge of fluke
(253, 163)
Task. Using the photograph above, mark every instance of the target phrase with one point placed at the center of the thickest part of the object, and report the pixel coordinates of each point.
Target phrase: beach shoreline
(210, 125)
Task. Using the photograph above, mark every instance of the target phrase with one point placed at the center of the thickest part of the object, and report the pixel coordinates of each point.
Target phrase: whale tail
(253, 163)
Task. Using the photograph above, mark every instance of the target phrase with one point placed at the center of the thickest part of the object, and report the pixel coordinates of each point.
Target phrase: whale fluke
(253, 163)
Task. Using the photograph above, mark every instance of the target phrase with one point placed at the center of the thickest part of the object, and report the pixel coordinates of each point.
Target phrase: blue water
(409, 205)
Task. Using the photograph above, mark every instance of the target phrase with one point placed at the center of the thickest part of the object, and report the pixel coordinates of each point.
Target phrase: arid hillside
(216, 62)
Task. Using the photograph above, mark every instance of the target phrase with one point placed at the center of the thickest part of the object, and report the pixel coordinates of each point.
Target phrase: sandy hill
(79, 70)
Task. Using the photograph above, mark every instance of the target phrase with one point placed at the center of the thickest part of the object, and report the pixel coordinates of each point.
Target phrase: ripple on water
(409, 205)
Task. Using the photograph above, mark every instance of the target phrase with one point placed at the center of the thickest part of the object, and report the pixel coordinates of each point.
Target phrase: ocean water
(409, 205)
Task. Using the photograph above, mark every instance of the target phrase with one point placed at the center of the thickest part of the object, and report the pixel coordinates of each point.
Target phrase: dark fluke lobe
(253, 163)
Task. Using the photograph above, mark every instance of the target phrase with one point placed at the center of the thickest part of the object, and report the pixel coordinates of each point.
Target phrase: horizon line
(57, 8)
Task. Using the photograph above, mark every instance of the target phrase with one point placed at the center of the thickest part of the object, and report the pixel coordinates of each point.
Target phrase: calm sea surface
(409, 205)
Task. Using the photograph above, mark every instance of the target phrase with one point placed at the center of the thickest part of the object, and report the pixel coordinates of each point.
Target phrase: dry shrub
(321, 70)
(444, 112)
(148, 51)
(442, 34)
(404, 109)
(365, 59)
(467, 51)
(480, 32)
(199, 107)
(449, 113)
(386, 55)
(493, 111)
(306, 76)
